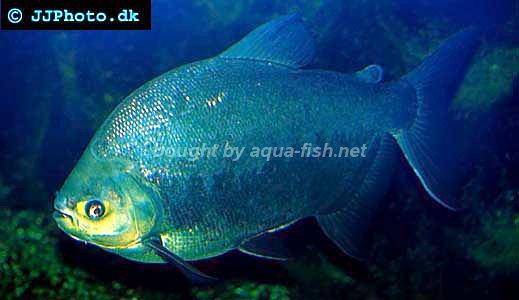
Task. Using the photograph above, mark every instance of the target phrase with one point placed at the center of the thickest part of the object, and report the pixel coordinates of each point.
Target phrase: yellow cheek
(118, 231)
(104, 225)
(109, 225)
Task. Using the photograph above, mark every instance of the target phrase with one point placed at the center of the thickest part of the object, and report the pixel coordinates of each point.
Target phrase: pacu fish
(129, 196)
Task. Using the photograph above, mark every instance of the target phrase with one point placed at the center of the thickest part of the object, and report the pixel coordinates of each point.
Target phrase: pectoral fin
(194, 275)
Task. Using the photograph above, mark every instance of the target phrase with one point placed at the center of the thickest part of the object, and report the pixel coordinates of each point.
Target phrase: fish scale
(289, 108)
(161, 207)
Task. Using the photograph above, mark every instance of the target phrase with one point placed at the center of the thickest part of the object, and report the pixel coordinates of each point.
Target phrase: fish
(133, 193)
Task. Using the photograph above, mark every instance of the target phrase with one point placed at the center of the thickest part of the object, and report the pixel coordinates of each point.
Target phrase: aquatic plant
(32, 263)
(497, 247)
(31, 266)
(489, 79)
(243, 291)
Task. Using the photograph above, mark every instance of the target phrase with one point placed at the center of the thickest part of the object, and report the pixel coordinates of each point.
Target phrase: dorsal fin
(284, 41)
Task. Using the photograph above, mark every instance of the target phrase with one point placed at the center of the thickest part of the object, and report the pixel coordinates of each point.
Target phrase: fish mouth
(66, 223)
(65, 220)
(58, 214)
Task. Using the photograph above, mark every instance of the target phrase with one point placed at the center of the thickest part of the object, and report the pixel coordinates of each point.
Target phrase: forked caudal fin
(425, 144)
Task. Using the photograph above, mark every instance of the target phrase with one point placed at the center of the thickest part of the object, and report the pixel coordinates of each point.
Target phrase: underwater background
(57, 87)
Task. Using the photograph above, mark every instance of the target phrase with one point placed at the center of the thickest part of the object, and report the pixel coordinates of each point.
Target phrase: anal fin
(266, 245)
(348, 226)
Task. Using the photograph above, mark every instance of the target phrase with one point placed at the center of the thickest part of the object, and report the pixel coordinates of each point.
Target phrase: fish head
(106, 204)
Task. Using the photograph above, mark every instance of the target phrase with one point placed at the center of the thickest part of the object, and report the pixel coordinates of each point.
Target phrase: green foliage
(497, 249)
(317, 270)
(244, 291)
(489, 79)
(31, 266)
(32, 263)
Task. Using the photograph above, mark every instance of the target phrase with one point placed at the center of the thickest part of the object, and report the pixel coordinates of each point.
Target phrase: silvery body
(256, 94)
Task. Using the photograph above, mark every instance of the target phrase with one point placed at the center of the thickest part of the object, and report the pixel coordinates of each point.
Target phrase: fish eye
(94, 209)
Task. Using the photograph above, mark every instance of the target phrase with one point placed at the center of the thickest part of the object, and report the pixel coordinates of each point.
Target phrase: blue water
(57, 87)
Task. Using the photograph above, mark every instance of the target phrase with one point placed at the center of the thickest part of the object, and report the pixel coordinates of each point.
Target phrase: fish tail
(426, 143)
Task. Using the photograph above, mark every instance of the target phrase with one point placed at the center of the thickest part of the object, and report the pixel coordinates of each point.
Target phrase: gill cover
(125, 206)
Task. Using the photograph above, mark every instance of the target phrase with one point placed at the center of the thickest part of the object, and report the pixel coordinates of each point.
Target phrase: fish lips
(61, 213)
(62, 217)
(65, 222)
